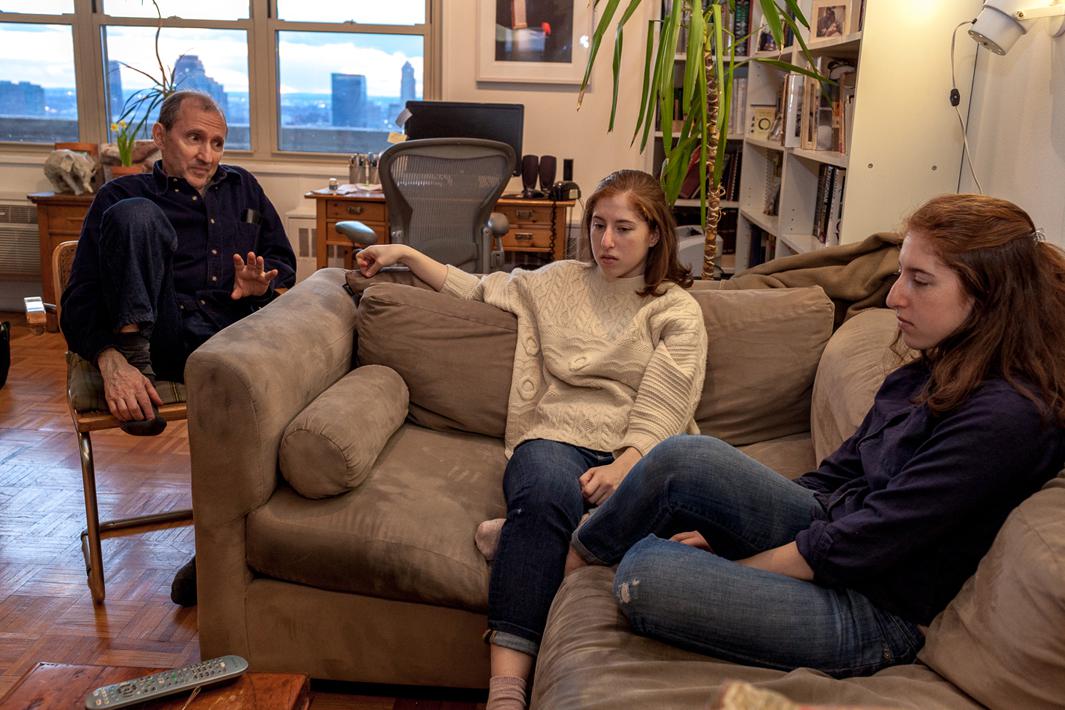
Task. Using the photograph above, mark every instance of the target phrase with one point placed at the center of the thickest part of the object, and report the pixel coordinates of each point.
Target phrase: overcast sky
(44, 55)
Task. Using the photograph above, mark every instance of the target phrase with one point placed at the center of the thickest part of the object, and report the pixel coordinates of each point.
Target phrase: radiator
(301, 229)
(20, 253)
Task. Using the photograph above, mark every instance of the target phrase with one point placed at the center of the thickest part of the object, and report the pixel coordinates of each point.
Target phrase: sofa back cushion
(1001, 639)
(762, 355)
(855, 362)
(455, 356)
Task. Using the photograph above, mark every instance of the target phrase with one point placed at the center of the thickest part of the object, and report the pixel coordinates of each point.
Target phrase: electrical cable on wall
(955, 100)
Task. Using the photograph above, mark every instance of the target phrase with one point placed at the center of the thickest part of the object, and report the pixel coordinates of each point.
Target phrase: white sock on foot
(487, 537)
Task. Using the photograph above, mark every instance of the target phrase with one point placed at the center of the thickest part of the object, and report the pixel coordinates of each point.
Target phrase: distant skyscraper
(349, 100)
(189, 75)
(115, 99)
(406, 84)
(21, 99)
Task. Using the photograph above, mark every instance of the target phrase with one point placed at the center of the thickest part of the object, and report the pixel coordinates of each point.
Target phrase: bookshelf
(902, 140)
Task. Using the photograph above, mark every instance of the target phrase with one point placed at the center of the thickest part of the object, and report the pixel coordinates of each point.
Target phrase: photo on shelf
(762, 116)
(830, 18)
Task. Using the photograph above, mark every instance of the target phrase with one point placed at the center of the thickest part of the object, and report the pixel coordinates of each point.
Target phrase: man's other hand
(129, 394)
(249, 278)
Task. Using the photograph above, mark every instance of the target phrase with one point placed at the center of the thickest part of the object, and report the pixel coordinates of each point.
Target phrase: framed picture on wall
(538, 41)
(830, 19)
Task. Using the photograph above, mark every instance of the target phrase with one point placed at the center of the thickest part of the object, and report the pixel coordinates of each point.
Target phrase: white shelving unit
(905, 145)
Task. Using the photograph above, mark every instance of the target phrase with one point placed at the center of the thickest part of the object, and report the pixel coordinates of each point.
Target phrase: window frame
(262, 28)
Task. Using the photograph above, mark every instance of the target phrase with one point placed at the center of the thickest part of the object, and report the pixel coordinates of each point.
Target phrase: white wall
(1017, 128)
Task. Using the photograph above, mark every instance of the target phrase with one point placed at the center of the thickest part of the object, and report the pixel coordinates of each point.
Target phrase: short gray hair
(171, 107)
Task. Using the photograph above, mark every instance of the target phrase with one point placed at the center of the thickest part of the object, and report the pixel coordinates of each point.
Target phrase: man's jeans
(137, 245)
(706, 602)
(544, 505)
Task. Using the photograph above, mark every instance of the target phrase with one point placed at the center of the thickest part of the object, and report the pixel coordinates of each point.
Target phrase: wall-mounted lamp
(1002, 22)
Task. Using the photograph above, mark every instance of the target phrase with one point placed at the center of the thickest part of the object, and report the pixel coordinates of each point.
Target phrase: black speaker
(5, 351)
(530, 171)
(548, 166)
(567, 169)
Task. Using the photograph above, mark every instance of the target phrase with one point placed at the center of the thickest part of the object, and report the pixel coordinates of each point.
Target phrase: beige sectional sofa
(335, 508)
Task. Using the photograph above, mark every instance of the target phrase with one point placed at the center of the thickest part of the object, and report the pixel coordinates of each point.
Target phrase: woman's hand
(600, 482)
(694, 539)
(374, 258)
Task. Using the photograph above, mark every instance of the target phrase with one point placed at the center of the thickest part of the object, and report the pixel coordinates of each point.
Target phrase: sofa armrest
(244, 386)
(249, 381)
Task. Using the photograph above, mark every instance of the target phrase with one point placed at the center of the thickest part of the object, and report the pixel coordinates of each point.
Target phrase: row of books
(730, 177)
(811, 115)
(763, 247)
(738, 21)
(828, 207)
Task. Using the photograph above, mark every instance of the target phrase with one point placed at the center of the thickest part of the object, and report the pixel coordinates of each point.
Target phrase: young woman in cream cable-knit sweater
(609, 361)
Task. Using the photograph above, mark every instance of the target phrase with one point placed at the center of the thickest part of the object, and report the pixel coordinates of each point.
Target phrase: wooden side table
(536, 226)
(59, 218)
(59, 686)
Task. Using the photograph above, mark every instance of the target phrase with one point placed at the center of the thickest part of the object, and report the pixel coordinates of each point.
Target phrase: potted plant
(706, 95)
(137, 109)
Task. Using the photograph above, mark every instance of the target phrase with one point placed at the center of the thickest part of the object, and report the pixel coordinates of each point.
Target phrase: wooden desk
(59, 219)
(536, 226)
(55, 686)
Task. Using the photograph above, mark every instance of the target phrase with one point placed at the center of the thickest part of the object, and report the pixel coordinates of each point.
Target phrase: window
(295, 76)
(38, 94)
(341, 92)
(212, 61)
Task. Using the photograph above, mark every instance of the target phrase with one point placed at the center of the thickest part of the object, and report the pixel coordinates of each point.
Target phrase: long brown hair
(646, 197)
(1016, 328)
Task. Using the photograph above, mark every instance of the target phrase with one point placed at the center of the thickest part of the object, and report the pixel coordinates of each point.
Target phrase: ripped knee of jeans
(625, 590)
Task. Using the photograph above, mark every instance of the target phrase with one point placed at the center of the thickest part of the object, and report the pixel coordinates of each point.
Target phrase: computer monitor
(456, 119)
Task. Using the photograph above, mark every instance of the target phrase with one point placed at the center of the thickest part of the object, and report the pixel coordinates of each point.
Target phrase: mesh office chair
(88, 410)
(440, 193)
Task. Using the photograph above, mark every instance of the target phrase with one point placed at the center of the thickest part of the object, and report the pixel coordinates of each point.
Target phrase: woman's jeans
(708, 603)
(544, 506)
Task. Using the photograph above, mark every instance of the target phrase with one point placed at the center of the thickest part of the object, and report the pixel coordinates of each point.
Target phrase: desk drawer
(353, 209)
(333, 236)
(527, 238)
(527, 216)
(66, 220)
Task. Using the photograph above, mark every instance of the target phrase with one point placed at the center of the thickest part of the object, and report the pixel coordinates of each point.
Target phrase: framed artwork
(538, 41)
(829, 19)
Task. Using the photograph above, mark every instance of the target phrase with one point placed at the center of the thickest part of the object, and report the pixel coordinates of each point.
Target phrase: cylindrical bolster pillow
(330, 447)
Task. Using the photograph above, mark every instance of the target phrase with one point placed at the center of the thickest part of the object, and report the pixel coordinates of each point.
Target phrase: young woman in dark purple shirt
(841, 569)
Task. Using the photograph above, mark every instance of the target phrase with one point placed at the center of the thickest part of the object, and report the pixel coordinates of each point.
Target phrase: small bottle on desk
(333, 184)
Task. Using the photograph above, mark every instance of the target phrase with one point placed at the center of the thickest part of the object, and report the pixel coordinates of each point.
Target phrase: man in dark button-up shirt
(167, 259)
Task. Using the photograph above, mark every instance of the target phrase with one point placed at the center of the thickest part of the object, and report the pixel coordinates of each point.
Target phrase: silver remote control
(157, 685)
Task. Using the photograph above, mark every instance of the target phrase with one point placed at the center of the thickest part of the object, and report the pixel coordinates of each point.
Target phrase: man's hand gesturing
(249, 279)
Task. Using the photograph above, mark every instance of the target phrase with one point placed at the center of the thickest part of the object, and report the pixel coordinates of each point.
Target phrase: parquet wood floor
(46, 612)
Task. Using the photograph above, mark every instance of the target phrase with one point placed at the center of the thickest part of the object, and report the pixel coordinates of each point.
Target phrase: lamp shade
(995, 30)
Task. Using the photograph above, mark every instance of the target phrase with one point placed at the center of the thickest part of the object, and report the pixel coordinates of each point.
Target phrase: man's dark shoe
(183, 588)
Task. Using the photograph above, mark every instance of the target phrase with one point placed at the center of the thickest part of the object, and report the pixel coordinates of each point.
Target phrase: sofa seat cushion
(406, 533)
(590, 659)
(790, 456)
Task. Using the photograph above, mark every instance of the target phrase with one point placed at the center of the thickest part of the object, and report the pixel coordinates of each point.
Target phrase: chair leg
(95, 530)
(90, 537)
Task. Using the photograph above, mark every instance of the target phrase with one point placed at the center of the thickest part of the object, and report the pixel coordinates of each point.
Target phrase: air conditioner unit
(302, 229)
(20, 252)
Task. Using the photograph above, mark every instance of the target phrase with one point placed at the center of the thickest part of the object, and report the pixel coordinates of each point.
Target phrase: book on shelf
(741, 26)
(835, 207)
(793, 90)
(773, 166)
(824, 192)
(738, 108)
(763, 246)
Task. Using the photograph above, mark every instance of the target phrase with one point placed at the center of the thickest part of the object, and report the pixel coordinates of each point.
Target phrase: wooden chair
(88, 410)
